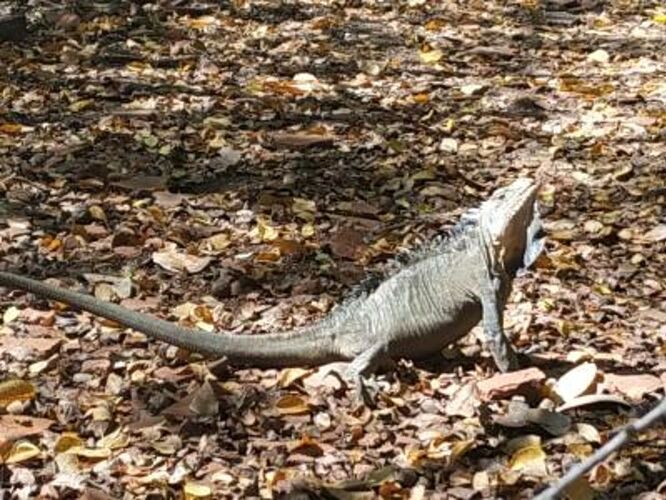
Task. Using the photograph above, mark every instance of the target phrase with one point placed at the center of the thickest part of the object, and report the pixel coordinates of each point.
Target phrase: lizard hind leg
(364, 365)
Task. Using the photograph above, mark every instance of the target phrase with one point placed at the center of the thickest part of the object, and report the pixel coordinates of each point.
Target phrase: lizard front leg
(493, 328)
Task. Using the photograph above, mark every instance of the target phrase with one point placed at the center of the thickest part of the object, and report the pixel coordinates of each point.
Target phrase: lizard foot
(366, 392)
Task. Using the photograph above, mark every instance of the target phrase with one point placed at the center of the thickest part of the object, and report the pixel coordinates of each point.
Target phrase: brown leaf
(347, 243)
(292, 405)
(300, 140)
(14, 427)
(307, 446)
(633, 386)
(20, 348)
(508, 384)
(142, 183)
(205, 402)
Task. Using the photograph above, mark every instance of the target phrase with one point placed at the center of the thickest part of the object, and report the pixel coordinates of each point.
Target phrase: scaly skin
(414, 313)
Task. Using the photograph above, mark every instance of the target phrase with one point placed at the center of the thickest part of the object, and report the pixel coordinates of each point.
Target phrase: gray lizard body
(429, 303)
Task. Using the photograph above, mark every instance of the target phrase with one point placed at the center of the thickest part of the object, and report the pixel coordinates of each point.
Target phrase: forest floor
(240, 166)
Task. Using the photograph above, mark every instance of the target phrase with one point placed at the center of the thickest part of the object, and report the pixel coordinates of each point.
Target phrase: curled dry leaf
(307, 446)
(176, 262)
(196, 490)
(576, 382)
(290, 376)
(528, 457)
(593, 399)
(92, 454)
(588, 432)
(292, 404)
(20, 451)
(16, 390)
(66, 441)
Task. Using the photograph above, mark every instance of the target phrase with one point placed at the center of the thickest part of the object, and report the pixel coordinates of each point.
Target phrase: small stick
(619, 440)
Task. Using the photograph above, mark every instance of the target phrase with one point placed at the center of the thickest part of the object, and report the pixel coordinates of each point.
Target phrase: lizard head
(510, 221)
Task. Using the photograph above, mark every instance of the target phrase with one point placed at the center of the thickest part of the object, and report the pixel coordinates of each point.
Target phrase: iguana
(430, 302)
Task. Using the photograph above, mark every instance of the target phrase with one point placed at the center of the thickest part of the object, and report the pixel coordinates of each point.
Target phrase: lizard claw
(366, 392)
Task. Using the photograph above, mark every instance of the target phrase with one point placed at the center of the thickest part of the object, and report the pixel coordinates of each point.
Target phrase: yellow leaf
(67, 441)
(422, 98)
(97, 213)
(271, 255)
(10, 314)
(196, 490)
(80, 105)
(431, 56)
(290, 375)
(659, 18)
(117, 439)
(218, 242)
(266, 231)
(435, 24)
(529, 460)
(11, 128)
(21, 451)
(308, 230)
(304, 209)
(202, 22)
(138, 67)
(580, 489)
(90, 453)
(459, 448)
(15, 390)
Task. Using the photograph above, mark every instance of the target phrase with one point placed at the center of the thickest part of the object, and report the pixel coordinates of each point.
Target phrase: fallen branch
(619, 440)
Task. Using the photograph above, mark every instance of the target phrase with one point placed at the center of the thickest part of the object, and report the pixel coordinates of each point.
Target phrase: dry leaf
(292, 405)
(66, 441)
(656, 234)
(10, 314)
(431, 56)
(21, 451)
(633, 386)
(97, 213)
(576, 382)
(593, 399)
(14, 427)
(599, 56)
(205, 402)
(301, 140)
(529, 458)
(175, 261)
(265, 231)
(289, 376)
(16, 390)
(196, 490)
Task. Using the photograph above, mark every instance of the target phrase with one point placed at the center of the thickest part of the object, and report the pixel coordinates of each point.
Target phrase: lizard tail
(308, 347)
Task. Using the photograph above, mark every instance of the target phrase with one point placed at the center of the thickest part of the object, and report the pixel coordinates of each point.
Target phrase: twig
(619, 440)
